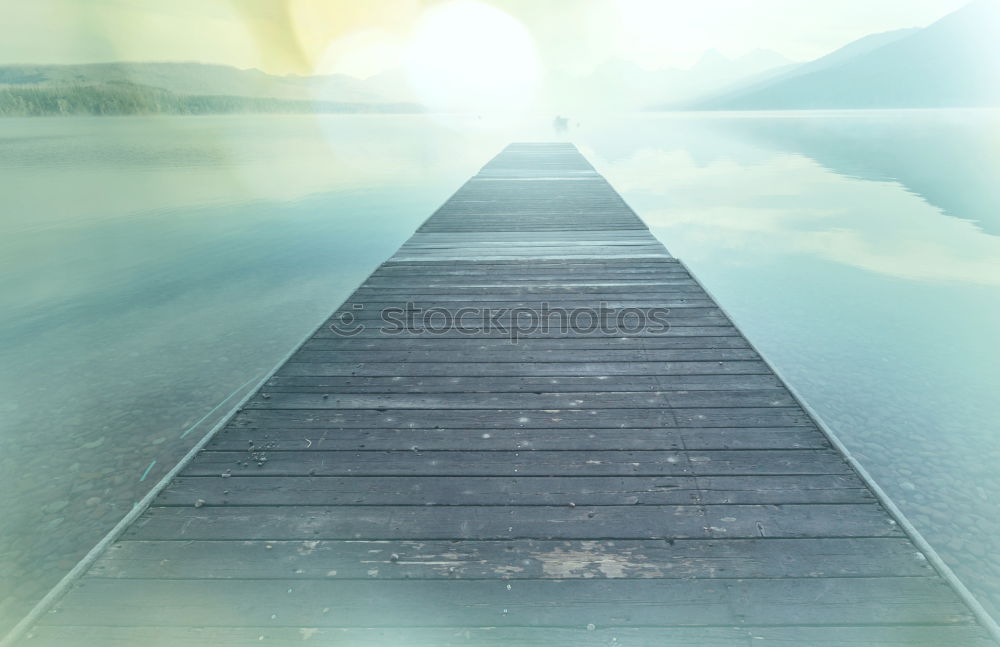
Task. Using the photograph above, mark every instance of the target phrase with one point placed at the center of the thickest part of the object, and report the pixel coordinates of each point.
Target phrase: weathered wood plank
(531, 522)
(654, 280)
(591, 286)
(528, 462)
(517, 355)
(435, 343)
(528, 369)
(556, 603)
(871, 636)
(564, 297)
(371, 330)
(248, 438)
(548, 250)
(588, 318)
(516, 559)
(524, 384)
(520, 490)
(431, 264)
(523, 418)
(268, 634)
(824, 636)
(583, 272)
(777, 397)
(516, 266)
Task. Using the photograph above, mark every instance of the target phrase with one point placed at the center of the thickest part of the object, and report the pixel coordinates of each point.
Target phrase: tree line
(136, 99)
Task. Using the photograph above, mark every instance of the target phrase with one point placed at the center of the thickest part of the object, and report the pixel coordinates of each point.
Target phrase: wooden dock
(580, 487)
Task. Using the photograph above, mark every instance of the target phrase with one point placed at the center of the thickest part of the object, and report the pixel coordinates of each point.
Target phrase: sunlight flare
(471, 57)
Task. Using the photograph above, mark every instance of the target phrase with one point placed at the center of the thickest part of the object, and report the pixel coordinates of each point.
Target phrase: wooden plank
(553, 254)
(579, 234)
(515, 560)
(486, 251)
(679, 305)
(664, 277)
(611, 272)
(521, 267)
(434, 343)
(523, 384)
(329, 331)
(527, 369)
(872, 636)
(516, 355)
(527, 266)
(445, 241)
(535, 291)
(545, 292)
(589, 312)
(825, 636)
(245, 438)
(556, 603)
(528, 462)
(401, 275)
(523, 418)
(532, 522)
(428, 242)
(514, 490)
(587, 400)
(665, 262)
(526, 274)
(411, 636)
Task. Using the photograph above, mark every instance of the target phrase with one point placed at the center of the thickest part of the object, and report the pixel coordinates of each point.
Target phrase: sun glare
(471, 57)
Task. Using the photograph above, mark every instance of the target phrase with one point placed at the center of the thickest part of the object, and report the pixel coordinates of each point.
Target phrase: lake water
(151, 267)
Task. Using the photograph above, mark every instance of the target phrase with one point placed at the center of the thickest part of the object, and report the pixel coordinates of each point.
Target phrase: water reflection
(856, 251)
(948, 158)
(872, 225)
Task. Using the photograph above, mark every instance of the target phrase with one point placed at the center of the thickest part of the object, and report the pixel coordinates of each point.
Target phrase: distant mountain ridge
(193, 78)
(182, 88)
(955, 62)
(771, 77)
(624, 85)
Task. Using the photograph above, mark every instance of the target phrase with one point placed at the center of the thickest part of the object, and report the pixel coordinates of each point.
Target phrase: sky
(365, 37)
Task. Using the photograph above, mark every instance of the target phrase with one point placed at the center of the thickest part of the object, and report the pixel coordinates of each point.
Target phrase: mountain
(623, 85)
(954, 62)
(192, 79)
(714, 65)
(768, 78)
(187, 88)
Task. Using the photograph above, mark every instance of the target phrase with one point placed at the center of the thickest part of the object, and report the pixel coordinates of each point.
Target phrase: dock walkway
(441, 486)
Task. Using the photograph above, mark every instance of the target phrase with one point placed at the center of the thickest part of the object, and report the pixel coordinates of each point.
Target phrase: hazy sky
(364, 37)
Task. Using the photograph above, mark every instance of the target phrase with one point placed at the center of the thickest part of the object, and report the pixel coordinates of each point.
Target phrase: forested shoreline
(135, 99)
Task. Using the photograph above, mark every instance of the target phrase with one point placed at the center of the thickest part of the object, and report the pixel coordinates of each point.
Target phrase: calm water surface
(151, 267)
